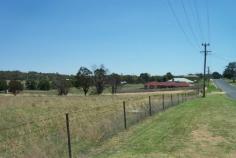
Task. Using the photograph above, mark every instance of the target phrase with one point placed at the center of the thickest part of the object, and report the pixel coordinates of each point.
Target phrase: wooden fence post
(68, 134)
(125, 125)
(178, 98)
(163, 101)
(150, 106)
(171, 96)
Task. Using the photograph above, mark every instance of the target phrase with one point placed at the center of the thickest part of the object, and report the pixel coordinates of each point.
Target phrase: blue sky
(127, 36)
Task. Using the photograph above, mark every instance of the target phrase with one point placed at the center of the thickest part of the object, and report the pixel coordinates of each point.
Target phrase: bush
(44, 85)
(3, 85)
(31, 84)
(63, 86)
(15, 87)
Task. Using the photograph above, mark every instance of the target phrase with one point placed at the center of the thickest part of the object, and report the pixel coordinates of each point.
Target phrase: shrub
(63, 86)
(15, 87)
(31, 84)
(3, 85)
(44, 85)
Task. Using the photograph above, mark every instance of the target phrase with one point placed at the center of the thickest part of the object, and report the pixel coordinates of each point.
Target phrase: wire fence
(81, 133)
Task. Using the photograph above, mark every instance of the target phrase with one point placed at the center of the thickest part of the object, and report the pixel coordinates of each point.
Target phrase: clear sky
(127, 36)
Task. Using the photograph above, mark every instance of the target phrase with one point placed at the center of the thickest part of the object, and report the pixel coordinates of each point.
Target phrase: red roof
(167, 84)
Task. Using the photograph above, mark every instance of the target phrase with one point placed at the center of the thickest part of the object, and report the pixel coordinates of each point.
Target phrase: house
(152, 85)
(181, 80)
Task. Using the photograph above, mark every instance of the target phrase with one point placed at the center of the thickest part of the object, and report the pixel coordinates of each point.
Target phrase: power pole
(205, 45)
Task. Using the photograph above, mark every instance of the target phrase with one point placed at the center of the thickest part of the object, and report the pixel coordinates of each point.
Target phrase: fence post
(125, 125)
(182, 95)
(178, 98)
(171, 96)
(68, 134)
(150, 106)
(163, 101)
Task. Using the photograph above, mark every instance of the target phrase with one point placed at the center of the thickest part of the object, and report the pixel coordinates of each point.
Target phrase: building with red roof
(152, 85)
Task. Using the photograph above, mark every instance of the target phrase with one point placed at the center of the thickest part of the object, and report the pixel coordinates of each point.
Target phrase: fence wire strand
(88, 128)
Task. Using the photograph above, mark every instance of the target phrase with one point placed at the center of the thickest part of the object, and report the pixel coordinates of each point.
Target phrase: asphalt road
(226, 87)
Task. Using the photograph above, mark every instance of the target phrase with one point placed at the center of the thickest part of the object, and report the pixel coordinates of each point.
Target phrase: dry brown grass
(93, 119)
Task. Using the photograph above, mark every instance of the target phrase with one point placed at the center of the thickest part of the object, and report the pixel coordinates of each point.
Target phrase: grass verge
(200, 128)
(212, 88)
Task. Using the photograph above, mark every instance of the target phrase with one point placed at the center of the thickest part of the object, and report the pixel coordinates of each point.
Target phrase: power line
(222, 58)
(198, 19)
(179, 23)
(189, 23)
(208, 21)
(194, 17)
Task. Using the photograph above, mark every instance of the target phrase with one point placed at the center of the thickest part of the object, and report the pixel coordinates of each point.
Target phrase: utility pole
(205, 45)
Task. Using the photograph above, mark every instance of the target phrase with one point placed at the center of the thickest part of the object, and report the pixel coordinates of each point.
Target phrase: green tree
(144, 77)
(131, 79)
(100, 78)
(31, 84)
(3, 85)
(84, 79)
(44, 85)
(168, 76)
(115, 80)
(216, 75)
(15, 87)
(230, 71)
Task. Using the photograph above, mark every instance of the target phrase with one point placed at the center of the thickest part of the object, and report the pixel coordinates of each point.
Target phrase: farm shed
(180, 80)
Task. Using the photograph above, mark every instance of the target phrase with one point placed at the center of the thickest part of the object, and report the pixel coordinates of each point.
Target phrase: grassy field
(201, 128)
(212, 88)
(34, 125)
(197, 128)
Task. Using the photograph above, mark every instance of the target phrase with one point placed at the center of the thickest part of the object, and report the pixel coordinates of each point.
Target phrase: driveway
(226, 87)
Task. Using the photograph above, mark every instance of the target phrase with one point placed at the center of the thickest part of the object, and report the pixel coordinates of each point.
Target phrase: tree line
(16, 81)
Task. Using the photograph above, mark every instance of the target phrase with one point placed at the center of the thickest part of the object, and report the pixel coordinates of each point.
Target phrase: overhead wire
(222, 58)
(180, 25)
(208, 21)
(199, 23)
(190, 24)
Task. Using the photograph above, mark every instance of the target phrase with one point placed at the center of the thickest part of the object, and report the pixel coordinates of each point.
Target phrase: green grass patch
(212, 88)
(199, 128)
